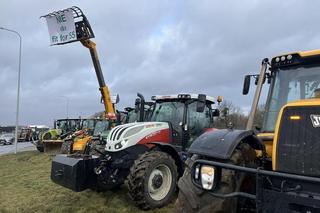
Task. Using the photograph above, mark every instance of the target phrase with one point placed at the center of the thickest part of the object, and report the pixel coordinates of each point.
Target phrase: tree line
(232, 116)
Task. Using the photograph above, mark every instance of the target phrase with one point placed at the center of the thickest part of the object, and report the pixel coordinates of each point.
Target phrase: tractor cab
(67, 125)
(188, 116)
(291, 77)
(89, 125)
(102, 128)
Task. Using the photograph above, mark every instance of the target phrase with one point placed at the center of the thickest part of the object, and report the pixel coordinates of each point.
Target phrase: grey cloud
(153, 47)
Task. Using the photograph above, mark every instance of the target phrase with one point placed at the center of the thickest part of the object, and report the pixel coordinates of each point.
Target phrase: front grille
(298, 146)
(121, 131)
(116, 132)
(113, 132)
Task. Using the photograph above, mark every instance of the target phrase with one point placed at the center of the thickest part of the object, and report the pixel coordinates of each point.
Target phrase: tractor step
(75, 173)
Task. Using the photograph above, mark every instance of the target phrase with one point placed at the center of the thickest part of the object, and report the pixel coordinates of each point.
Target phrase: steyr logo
(315, 120)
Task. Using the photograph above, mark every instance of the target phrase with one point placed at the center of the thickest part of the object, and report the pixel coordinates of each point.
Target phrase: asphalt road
(22, 146)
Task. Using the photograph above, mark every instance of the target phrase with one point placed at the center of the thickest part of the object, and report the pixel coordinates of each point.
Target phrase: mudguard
(220, 144)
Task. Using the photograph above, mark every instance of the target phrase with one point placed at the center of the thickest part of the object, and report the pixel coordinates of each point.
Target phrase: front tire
(192, 199)
(152, 180)
(66, 147)
(40, 148)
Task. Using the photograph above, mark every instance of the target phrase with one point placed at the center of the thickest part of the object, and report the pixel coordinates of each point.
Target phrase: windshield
(61, 124)
(132, 116)
(68, 125)
(101, 127)
(88, 124)
(74, 125)
(289, 85)
(171, 112)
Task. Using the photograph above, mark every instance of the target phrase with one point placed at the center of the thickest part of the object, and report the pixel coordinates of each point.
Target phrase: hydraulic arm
(108, 106)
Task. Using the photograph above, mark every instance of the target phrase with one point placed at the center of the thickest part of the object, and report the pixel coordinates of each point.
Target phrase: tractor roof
(301, 53)
(68, 119)
(296, 58)
(181, 96)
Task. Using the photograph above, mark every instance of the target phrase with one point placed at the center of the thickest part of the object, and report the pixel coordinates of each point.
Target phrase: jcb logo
(315, 120)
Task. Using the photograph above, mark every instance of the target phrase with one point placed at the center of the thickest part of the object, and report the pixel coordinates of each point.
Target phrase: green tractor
(53, 137)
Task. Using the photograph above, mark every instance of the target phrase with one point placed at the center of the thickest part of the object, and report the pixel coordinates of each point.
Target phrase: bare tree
(231, 116)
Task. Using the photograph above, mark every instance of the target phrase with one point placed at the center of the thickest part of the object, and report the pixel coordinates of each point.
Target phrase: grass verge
(25, 186)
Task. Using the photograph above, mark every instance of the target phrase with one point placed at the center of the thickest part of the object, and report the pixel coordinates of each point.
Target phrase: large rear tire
(192, 199)
(40, 148)
(152, 180)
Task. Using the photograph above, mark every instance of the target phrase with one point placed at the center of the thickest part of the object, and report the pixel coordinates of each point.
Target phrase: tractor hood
(127, 135)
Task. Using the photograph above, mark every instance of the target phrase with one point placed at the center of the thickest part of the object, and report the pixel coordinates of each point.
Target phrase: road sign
(61, 27)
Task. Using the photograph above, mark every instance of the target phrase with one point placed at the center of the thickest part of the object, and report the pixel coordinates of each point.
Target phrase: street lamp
(18, 92)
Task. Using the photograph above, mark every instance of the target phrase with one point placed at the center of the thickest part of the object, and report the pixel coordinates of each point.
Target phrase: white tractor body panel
(127, 135)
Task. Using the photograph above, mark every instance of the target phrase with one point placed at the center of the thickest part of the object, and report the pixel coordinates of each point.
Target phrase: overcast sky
(152, 47)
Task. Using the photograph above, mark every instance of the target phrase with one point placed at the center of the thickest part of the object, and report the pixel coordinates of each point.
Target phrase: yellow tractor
(275, 169)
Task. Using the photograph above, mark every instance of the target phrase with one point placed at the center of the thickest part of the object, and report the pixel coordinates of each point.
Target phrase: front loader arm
(108, 106)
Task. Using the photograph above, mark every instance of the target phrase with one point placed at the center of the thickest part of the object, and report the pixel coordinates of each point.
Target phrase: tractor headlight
(121, 144)
(207, 177)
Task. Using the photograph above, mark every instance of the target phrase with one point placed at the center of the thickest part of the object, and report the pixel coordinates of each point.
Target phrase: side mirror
(201, 104)
(246, 85)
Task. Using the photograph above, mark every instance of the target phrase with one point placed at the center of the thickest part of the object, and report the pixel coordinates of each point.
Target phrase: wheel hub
(157, 181)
